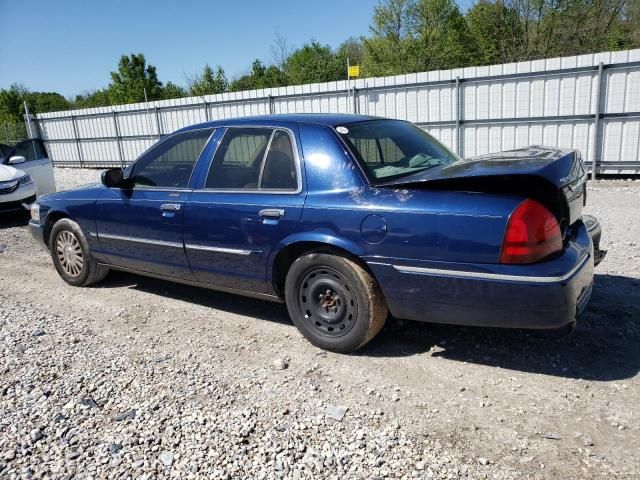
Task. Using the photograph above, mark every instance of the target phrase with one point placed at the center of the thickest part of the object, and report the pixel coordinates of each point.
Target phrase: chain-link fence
(11, 133)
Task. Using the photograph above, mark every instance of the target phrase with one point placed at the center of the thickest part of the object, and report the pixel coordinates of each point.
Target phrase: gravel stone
(281, 364)
(36, 434)
(337, 412)
(198, 380)
(166, 458)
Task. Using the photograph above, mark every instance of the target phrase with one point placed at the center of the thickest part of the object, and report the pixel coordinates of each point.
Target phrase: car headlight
(26, 180)
(35, 212)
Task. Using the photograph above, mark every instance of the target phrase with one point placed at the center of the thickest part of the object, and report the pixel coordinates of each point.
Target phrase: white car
(26, 172)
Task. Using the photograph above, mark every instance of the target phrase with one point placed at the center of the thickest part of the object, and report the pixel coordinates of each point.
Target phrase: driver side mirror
(114, 178)
(16, 160)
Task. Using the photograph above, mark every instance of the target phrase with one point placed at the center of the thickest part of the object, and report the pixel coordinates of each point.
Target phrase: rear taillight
(532, 234)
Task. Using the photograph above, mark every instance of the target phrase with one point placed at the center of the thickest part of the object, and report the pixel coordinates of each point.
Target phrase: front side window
(390, 149)
(171, 162)
(254, 159)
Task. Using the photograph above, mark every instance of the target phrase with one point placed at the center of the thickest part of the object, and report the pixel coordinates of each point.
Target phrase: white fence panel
(475, 110)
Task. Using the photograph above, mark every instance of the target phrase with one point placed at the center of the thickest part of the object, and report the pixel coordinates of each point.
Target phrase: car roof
(326, 119)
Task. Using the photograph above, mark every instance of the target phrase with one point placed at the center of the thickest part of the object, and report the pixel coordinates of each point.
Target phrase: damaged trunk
(556, 178)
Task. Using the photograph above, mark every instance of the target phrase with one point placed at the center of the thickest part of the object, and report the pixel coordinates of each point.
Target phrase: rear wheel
(334, 302)
(71, 256)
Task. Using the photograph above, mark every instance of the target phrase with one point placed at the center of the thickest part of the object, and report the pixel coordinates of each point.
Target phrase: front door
(37, 164)
(141, 227)
(252, 199)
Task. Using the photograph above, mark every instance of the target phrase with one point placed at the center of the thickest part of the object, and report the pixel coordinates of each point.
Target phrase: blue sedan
(346, 218)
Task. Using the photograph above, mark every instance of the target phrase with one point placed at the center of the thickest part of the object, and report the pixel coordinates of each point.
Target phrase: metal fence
(11, 133)
(590, 102)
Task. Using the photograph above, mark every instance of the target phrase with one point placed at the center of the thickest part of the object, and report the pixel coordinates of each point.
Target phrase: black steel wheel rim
(327, 302)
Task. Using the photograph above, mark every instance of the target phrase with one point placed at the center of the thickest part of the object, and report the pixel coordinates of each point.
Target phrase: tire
(334, 302)
(71, 256)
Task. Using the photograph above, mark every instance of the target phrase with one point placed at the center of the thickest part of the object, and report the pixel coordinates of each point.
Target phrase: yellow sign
(354, 71)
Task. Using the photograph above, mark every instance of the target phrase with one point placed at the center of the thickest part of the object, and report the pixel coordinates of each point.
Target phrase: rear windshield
(391, 149)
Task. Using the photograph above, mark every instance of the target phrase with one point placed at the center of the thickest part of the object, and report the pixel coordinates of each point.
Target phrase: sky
(71, 46)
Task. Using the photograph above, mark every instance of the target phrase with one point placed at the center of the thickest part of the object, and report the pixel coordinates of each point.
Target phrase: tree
(497, 29)
(209, 82)
(442, 37)
(133, 77)
(11, 103)
(261, 76)
(92, 99)
(40, 102)
(313, 63)
(280, 51)
(563, 27)
(418, 35)
(386, 52)
(171, 90)
(352, 49)
(631, 17)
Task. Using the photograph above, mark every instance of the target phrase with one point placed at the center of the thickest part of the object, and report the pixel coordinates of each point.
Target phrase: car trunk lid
(555, 177)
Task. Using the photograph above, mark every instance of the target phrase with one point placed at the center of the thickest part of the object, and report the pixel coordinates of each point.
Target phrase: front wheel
(334, 302)
(71, 256)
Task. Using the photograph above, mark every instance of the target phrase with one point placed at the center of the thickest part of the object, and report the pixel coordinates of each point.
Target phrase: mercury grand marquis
(346, 218)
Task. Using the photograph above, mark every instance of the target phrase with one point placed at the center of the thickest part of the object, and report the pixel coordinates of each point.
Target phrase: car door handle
(170, 207)
(271, 213)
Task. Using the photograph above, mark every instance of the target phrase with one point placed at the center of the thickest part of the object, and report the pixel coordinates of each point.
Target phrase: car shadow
(226, 302)
(604, 347)
(14, 220)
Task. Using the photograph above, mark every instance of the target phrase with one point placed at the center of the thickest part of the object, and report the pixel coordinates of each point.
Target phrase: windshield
(390, 149)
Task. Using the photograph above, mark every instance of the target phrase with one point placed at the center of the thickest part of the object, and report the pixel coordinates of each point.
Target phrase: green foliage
(261, 76)
(40, 102)
(352, 49)
(442, 38)
(497, 30)
(95, 98)
(418, 35)
(313, 63)
(209, 82)
(171, 90)
(133, 77)
(387, 51)
(12, 103)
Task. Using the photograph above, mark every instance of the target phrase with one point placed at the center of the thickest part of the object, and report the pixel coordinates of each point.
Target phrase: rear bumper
(595, 231)
(547, 295)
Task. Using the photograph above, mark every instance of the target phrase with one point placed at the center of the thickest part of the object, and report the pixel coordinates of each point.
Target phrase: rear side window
(170, 163)
(390, 149)
(279, 171)
(254, 158)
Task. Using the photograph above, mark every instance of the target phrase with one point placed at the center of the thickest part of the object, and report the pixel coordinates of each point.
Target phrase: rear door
(248, 201)
(37, 164)
(140, 227)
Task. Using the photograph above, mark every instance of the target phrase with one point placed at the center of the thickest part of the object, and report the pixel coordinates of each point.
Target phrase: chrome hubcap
(69, 253)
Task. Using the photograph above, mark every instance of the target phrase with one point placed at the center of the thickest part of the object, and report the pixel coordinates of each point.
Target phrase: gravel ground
(140, 378)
